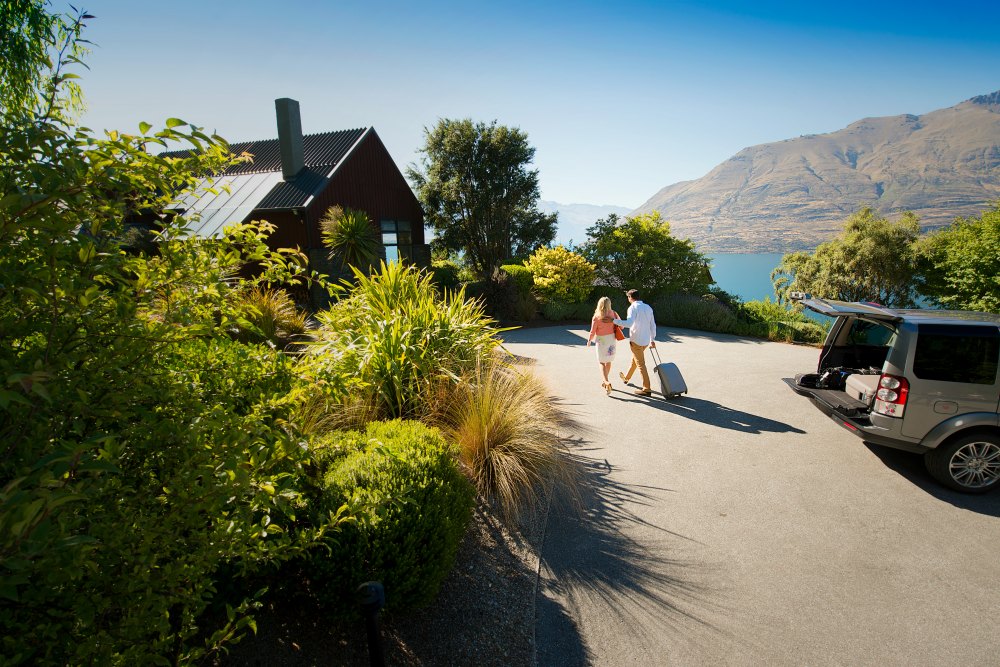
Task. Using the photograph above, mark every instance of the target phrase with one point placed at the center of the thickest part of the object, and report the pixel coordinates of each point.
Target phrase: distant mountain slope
(796, 193)
(574, 219)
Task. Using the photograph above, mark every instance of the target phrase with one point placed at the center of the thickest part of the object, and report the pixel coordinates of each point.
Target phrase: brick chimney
(289, 137)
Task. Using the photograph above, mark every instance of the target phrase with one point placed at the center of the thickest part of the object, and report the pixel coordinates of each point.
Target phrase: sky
(618, 98)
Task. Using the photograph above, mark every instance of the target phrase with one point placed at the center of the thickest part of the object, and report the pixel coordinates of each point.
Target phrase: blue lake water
(746, 276)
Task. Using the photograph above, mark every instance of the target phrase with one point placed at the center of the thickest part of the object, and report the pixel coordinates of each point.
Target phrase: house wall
(370, 181)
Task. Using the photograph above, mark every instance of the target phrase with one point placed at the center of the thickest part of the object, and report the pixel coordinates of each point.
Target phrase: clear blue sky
(618, 98)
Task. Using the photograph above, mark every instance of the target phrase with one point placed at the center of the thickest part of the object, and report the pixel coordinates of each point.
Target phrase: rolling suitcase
(671, 380)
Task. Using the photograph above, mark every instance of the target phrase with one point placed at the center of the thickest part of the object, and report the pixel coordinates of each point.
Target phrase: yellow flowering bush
(561, 275)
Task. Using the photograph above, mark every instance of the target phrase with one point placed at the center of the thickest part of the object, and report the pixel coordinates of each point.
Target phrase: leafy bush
(411, 506)
(399, 339)
(445, 274)
(693, 312)
(561, 275)
(507, 429)
(522, 277)
(502, 299)
(557, 311)
(639, 252)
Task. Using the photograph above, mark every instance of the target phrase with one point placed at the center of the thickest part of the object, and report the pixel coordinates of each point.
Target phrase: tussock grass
(507, 428)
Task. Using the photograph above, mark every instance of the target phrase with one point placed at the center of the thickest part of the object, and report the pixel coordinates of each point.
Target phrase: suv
(924, 381)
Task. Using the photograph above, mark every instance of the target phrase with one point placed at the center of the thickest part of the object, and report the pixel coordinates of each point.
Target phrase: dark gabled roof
(319, 150)
(259, 185)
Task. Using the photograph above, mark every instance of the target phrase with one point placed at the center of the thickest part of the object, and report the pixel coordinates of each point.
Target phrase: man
(641, 334)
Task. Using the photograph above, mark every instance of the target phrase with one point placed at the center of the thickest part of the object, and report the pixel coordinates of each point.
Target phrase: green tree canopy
(873, 259)
(959, 266)
(640, 253)
(478, 193)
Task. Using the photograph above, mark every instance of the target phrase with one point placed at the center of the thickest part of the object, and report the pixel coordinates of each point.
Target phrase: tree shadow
(911, 466)
(713, 414)
(590, 555)
(559, 334)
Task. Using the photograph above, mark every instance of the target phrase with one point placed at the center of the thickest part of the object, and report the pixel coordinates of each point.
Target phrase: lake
(746, 276)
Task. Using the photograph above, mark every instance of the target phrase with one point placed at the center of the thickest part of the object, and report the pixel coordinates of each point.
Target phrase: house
(293, 180)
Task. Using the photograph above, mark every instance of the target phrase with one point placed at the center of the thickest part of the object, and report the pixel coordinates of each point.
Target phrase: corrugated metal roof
(296, 192)
(215, 211)
(319, 150)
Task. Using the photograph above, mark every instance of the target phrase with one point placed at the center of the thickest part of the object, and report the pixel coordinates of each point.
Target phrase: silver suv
(924, 381)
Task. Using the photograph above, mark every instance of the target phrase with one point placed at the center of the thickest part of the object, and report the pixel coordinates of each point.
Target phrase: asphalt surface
(739, 526)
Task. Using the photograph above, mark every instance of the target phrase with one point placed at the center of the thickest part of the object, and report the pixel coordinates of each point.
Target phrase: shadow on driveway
(711, 413)
(589, 558)
(911, 466)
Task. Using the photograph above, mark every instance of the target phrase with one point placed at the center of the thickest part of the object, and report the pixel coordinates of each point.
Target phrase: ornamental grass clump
(507, 428)
(400, 339)
(270, 316)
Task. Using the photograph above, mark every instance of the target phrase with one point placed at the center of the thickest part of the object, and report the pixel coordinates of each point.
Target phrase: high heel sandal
(607, 387)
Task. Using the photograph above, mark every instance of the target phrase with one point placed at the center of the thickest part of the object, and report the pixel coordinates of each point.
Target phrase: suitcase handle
(656, 356)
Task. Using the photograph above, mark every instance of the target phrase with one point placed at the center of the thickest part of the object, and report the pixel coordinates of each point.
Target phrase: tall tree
(639, 252)
(478, 193)
(959, 266)
(873, 259)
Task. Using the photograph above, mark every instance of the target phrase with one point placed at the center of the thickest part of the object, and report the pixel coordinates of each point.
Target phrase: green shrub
(557, 311)
(561, 275)
(693, 312)
(780, 322)
(445, 274)
(398, 339)
(522, 277)
(412, 507)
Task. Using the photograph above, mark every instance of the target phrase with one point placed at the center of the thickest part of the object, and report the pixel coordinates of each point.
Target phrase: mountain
(794, 194)
(574, 219)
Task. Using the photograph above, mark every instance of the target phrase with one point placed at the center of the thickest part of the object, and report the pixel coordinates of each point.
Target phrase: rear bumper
(852, 415)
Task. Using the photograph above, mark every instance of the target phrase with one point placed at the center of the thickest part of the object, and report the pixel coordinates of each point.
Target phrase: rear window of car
(865, 332)
(957, 354)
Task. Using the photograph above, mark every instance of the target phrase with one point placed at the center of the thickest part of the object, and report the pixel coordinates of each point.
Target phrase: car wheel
(970, 464)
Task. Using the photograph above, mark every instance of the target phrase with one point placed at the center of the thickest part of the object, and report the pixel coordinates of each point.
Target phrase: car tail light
(890, 398)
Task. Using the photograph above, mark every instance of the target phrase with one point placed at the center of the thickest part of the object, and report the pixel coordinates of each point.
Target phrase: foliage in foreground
(410, 508)
(960, 265)
(508, 431)
(872, 260)
(143, 449)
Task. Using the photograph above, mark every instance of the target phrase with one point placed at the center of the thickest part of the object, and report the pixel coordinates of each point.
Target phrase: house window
(397, 239)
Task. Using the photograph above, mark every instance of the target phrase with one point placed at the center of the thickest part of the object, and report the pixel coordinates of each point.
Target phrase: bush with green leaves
(142, 448)
(561, 275)
(269, 316)
(411, 506)
(959, 266)
(445, 274)
(522, 277)
(639, 252)
(399, 339)
(776, 321)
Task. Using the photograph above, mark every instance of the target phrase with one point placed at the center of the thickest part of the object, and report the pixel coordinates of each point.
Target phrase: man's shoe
(622, 376)
(643, 392)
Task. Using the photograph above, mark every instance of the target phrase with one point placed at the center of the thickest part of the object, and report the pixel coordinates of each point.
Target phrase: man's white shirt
(640, 323)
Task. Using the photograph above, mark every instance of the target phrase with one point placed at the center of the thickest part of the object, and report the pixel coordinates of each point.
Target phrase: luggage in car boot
(671, 380)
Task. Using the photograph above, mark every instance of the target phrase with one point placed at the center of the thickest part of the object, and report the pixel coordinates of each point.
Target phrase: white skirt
(606, 348)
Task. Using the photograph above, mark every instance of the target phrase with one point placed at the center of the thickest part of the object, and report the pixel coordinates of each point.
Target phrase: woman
(602, 329)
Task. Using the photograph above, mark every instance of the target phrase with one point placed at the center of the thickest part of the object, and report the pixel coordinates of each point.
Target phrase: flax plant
(401, 339)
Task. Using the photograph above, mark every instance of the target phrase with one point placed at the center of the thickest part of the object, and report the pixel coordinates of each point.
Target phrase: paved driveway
(738, 526)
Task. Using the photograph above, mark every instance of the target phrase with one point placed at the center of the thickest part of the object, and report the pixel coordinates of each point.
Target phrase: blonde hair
(603, 308)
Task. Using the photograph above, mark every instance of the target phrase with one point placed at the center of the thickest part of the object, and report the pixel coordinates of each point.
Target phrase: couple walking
(641, 334)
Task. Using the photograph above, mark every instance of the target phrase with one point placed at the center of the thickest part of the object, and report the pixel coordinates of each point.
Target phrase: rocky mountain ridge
(794, 194)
